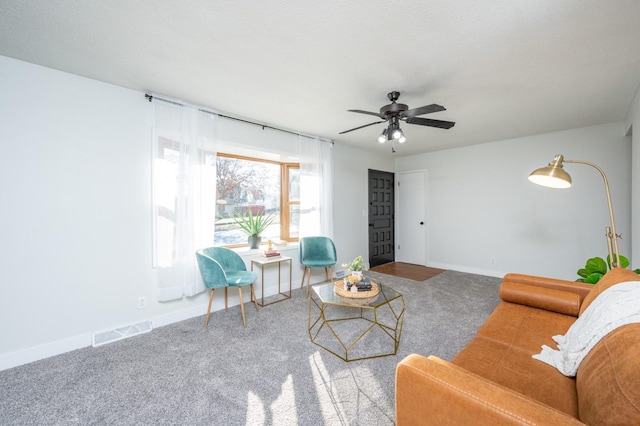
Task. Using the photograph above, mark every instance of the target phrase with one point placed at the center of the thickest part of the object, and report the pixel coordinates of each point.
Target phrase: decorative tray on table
(341, 288)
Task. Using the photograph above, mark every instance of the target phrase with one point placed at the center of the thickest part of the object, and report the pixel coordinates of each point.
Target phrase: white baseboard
(468, 270)
(36, 353)
(181, 315)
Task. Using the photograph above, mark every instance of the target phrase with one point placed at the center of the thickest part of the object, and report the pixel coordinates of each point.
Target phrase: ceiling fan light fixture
(395, 112)
(383, 136)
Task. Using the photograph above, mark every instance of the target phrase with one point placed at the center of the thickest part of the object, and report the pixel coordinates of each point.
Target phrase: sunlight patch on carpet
(255, 410)
(283, 408)
(331, 407)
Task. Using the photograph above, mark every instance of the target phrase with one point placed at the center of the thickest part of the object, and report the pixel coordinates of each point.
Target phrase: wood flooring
(407, 270)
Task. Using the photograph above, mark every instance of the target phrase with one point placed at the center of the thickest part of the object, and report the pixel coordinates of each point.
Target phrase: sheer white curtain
(316, 187)
(184, 179)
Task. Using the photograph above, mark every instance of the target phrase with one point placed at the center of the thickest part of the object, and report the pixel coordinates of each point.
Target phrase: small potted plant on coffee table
(356, 267)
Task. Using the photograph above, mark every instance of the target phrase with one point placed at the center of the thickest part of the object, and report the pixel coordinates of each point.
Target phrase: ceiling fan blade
(423, 110)
(359, 111)
(431, 123)
(356, 128)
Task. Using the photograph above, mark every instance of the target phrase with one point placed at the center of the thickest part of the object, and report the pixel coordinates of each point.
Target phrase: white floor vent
(121, 333)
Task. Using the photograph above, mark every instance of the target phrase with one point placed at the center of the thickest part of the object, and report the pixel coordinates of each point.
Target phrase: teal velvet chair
(221, 267)
(317, 252)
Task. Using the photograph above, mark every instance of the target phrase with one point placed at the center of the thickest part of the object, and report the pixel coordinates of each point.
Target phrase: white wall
(75, 179)
(480, 204)
(633, 120)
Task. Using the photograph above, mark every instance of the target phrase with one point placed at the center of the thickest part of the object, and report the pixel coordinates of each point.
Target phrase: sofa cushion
(608, 380)
(514, 368)
(613, 277)
(502, 352)
(524, 327)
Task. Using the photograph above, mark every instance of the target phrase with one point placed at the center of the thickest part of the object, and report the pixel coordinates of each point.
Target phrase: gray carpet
(268, 374)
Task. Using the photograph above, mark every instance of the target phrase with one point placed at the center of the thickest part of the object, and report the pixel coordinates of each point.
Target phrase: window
(261, 186)
(186, 207)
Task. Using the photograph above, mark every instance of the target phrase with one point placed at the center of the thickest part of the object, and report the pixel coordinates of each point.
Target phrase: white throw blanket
(617, 306)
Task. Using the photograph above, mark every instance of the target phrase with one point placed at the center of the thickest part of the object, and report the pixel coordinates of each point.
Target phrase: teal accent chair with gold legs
(317, 252)
(221, 267)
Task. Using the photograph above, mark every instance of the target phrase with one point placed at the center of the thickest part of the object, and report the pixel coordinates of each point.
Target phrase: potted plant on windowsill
(253, 226)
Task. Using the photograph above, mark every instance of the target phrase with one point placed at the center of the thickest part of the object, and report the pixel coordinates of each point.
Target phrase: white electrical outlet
(142, 302)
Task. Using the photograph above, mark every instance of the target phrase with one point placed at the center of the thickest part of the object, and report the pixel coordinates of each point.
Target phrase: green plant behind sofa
(596, 267)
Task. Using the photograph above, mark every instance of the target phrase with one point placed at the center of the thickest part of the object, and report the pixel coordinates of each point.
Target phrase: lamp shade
(552, 176)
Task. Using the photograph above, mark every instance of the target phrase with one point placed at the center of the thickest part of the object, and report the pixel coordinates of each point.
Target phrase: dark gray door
(381, 217)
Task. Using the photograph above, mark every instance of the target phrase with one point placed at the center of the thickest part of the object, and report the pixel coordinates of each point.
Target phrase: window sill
(290, 248)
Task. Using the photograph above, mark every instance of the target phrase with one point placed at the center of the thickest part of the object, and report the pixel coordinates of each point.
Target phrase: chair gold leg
(303, 275)
(206, 321)
(244, 321)
(308, 281)
(225, 299)
(255, 300)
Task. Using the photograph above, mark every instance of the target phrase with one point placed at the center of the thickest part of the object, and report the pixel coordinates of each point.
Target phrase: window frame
(286, 202)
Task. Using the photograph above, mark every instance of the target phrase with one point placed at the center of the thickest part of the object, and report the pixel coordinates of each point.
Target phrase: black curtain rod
(264, 126)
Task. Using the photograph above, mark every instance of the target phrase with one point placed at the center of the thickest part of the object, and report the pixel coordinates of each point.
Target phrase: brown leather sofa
(494, 380)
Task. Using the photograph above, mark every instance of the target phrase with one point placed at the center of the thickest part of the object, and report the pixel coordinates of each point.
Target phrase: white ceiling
(503, 69)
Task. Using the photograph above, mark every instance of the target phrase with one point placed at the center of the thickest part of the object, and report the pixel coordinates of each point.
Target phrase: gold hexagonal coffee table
(356, 328)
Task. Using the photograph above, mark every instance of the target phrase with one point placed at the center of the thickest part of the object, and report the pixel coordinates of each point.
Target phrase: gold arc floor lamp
(554, 176)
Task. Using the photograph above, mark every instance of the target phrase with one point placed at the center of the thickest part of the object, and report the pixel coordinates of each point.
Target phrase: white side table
(263, 262)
